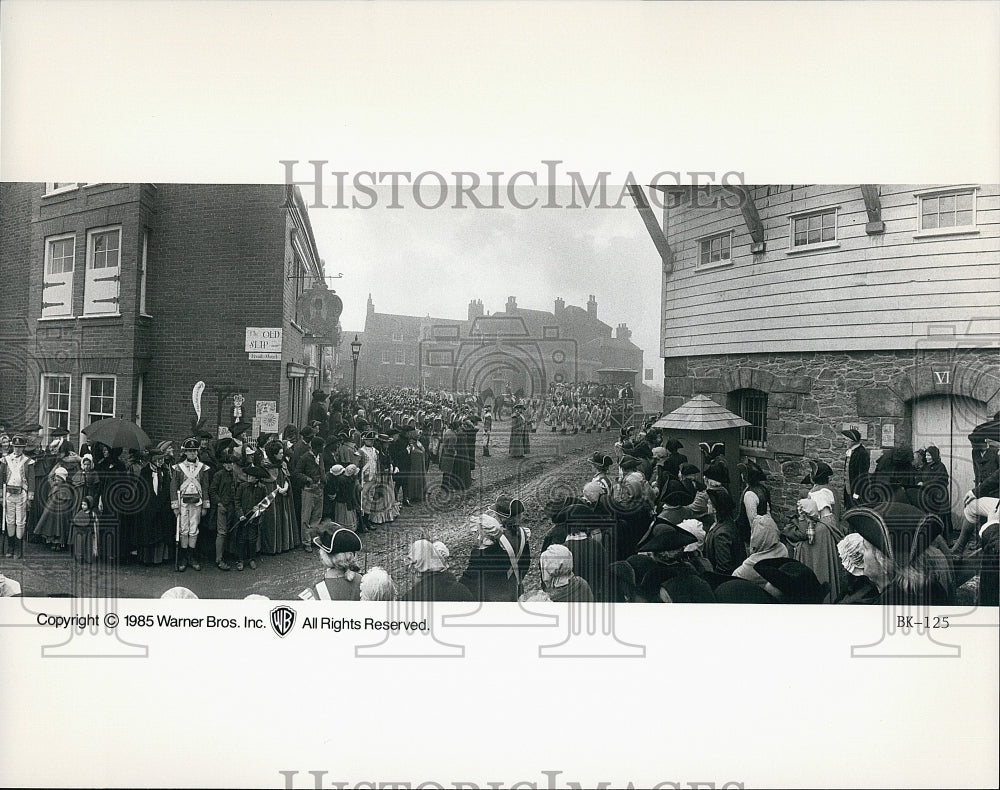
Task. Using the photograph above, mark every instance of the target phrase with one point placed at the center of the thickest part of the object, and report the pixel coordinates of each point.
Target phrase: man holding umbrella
(189, 482)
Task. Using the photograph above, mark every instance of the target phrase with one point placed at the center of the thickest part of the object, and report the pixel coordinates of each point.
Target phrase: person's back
(438, 586)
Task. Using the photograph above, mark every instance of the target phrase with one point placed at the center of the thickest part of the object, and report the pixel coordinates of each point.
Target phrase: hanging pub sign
(319, 311)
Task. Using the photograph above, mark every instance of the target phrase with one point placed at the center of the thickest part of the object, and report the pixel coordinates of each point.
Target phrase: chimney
(623, 332)
(371, 305)
(592, 307)
(475, 309)
(511, 304)
(560, 306)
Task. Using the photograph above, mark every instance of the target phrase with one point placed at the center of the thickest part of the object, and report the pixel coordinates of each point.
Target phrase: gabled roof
(700, 414)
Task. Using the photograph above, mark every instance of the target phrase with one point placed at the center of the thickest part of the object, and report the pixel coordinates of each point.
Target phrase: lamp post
(355, 353)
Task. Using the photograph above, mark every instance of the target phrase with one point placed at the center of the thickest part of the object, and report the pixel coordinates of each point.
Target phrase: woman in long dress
(378, 500)
(276, 522)
(416, 481)
(448, 453)
(517, 432)
(814, 535)
(57, 516)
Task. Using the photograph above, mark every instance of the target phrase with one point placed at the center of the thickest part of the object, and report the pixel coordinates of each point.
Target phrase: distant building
(515, 349)
(118, 298)
(809, 309)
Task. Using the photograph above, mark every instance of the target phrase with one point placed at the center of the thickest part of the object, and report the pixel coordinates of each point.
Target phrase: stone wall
(813, 396)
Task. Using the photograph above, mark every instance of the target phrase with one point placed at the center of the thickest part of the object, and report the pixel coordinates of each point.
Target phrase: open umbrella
(115, 432)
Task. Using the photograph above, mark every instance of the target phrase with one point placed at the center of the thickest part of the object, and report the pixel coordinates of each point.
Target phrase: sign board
(266, 407)
(224, 432)
(888, 434)
(264, 356)
(263, 339)
(255, 429)
(269, 422)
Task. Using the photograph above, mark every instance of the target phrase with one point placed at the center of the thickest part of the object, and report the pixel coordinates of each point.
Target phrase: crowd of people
(650, 526)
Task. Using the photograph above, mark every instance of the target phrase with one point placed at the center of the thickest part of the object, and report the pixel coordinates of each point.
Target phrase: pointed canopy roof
(700, 414)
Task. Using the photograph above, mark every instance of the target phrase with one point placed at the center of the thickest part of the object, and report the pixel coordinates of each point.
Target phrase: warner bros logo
(282, 619)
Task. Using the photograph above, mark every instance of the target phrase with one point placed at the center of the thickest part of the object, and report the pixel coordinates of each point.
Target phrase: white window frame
(385, 358)
(820, 245)
(143, 274)
(399, 354)
(961, 230)
(45, 271)
(43, 403)
(85, 396)
(397, 337)
(87, 267)
(714, 264)
(52, 189)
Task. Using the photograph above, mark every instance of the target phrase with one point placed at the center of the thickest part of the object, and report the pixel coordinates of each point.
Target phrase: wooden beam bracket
(873, 205)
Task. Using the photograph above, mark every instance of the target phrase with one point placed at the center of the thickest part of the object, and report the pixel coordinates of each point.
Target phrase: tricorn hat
(601, 460)
(667, 539)
(57, 433)
(191, 444)
(898, 530)
(819, 472)
(508, 506)
(18, 441)
(796, 581)
(853, 434)
(256, 472)
(340, 540)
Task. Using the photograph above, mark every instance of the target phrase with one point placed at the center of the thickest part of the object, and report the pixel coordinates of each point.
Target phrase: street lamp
(355, 353)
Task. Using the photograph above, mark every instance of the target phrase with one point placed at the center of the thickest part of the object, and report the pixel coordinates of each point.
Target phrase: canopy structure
(700, 414)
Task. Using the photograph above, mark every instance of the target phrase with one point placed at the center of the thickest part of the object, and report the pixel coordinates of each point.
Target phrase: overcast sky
(418, 261)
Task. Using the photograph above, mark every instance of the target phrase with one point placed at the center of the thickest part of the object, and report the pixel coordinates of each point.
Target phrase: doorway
(946, 421)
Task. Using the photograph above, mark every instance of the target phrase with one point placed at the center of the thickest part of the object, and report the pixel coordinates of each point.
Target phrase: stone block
(879, 402)
(671, 402)
(745, 378)
(786, 444)
(707, 385)
(675, 366)
(682, 387)
(783, 400)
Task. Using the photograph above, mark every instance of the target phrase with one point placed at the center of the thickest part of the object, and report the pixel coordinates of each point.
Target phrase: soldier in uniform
(189, 495)
(18, 480)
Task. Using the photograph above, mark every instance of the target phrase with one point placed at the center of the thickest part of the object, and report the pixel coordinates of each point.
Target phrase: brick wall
(811, 396)
(216, 266)
(15, 332)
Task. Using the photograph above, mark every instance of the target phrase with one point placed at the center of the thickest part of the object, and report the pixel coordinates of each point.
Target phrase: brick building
(516, 348)
(120, 297)
(810, 309)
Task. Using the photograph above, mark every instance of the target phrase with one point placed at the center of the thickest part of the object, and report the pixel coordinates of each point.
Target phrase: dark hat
(241, 428)
(641, 565)
(689, 469)
(796, 581)
(383, 437)
(204, 434)
(341, 539)
(678, 498)
(319, 395)
(898, 530)
(752, 472)
(369, 435)
(667, 539)
(507, 506)
(224, 445)
(18, 441)
(688, 588)
(629, 462)
(601, 459)
(736, 590)
(317, 444)
(820, 472)
(191, 444)
(307, 433)
(853, 434)
(256, 472)
(578, 517)
(554, 507)
(56, 433)
(673, 445)
(717, 473)
(32, 428)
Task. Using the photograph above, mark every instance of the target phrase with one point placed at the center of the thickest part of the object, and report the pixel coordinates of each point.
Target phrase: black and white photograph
(377, 366)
